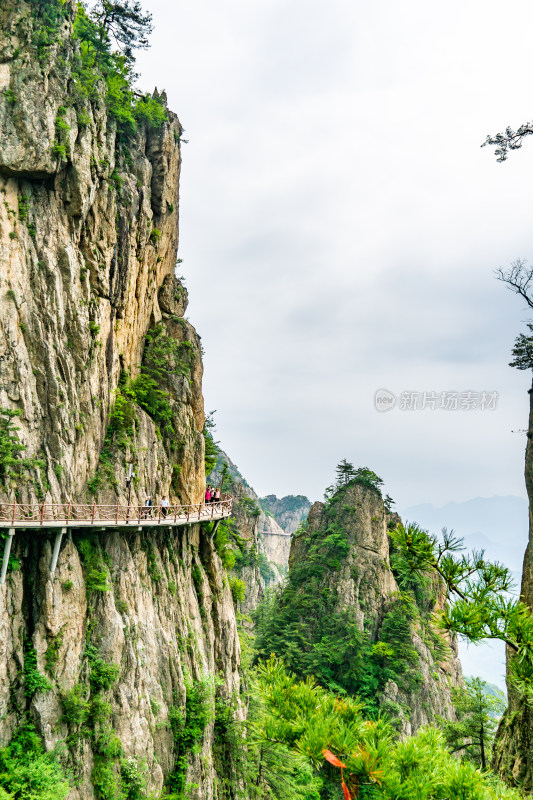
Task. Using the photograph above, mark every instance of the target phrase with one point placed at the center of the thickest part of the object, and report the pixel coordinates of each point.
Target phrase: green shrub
(52, 652)
(27, 772)
(238, 588)
(188, 724)
(95, 569)
(76, 706)
(102, 674)
(133, 779)
(24, 206)
(34, 681)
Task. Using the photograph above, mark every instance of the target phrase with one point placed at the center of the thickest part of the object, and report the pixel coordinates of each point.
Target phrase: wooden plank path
(59, 517)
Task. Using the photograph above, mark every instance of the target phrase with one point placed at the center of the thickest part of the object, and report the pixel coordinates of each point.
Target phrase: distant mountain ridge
(289, 511)
(500, 518)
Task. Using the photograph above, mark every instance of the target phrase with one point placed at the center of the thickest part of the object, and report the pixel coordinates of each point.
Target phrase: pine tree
(123, 23)
(344, 472)
(478, 713)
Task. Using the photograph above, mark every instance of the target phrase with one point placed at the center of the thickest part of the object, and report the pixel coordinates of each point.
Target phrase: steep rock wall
(344, 555)
(289, 511)
(88, 249)
(165, 623)
(266, 546)
(134, 630)
(513, 748)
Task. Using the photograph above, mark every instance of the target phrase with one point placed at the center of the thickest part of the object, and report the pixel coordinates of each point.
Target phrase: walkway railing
(18, 515)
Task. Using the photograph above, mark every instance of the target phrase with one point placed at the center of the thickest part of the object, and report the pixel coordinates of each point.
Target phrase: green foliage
(102, 674)
(301, 621)
(478, 714)
(480, 606)
(76, 706)
(34, 681)
(163, 356)
(49, 15)
(155, 235)
(523, 350)
(145, 391)
(250, 507)
(61, 146)
(223, 539)
(238, 588)
(133, 779)
(211, 447)
(98, 30)
(518, 278)
(188, 724)
(52, 652)
(94, 565)
(347, 474)
(87, 712)
(120, 429)
(24, 207)
(302, 719)
(27, 772)
(12, 466)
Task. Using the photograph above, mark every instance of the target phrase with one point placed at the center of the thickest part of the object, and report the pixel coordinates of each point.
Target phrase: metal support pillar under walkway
(7, 551)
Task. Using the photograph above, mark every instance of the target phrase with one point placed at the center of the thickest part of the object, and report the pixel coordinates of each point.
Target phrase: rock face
(513, 748)
(266, 545)
(164, 624)
(88, 249)
(289, 512)
(348, 542)
(111, 656)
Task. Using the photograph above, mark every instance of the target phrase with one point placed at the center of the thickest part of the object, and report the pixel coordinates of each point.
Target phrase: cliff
(89, 232)
(120, 658)
(513, 750)
(346, 617)
(289, 511)
(262, 547)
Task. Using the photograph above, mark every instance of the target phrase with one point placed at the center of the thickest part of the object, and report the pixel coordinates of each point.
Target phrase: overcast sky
(340, 227)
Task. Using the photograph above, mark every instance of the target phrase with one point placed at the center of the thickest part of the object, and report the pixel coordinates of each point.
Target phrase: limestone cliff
(289, 511)
(119, 655)
(513, 748)
(89, 237)
(264, 546)
(355, 626)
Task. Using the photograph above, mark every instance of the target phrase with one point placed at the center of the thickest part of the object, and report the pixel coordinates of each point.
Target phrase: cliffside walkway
(63, 516)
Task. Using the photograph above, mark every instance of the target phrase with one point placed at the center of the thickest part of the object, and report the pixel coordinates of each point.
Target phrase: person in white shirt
(164, 505)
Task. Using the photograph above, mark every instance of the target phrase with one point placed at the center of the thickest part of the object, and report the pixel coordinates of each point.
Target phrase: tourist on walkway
(208, 495)
(147, 511)
(217, 495)
(164, 506)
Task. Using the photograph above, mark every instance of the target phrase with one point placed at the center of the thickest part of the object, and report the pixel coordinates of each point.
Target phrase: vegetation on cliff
(106, 35)
(305, 623)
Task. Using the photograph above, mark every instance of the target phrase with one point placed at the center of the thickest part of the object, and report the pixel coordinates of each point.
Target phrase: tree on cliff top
(125, 23)
(346, 473)
(519, 279)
